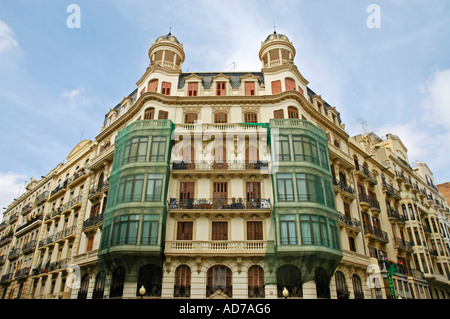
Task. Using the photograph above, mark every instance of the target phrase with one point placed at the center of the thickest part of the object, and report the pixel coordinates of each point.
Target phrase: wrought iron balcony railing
(219, 203)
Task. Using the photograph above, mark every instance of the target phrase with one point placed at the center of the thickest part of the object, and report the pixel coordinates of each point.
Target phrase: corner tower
(167, 52)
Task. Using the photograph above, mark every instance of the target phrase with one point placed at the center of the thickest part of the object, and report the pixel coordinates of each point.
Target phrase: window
(250, 117)
(255, 282)
(130, 188)
(221, 88)
(135, 150)
(324, 159)
(150, 230)
(153, 85)
(99, 286)
(278, 114)
(150, 276)
(182, 287)
(254, 230)
(309, 188)
(220, 118)
(249, 88)
(281, 150)
(251, 154)
(149, 113)
(288, 233)
(90, 243)
(220, 194)
(184, 230)
(163, 115)
(125, 230)
(154, 187)
(276, 87)
(290, 84)
(284, 187)
(292, 112)
(314, 230)
(305, 149)
(165, 88)
(357, 287)
(289, 277)
(322, 283)
(190, 118)
(192, 88)
(341, 286)
(219, 231)
(187, 193)
(189, 154)
(158, 149)
(219, 277)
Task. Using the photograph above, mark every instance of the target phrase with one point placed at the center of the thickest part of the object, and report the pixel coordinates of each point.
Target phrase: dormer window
(193, 89)
(249, 88)
(276, 87)
(221, 88)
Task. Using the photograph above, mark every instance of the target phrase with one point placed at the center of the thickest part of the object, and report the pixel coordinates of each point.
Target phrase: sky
(57, 82)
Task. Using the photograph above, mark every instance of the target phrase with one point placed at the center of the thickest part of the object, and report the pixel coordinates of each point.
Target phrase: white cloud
(436, 104)
(10, 51)
(12, 185)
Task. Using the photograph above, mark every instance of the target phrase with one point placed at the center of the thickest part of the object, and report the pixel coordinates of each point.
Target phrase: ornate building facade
(228, 185)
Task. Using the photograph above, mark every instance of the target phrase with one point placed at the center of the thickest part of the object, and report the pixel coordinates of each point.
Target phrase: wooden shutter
(90, 243)
(220, 194)
(292, 112)
(300, 89)
(276, 87)
(220, 154)
(290, 84)
(278, 114)
(149, 114)
(254, 230)
(192, 89)
(251, 154)
(190, 118)
(250, 117)
(166, 88)
(184, 230)
(219, 231)
(188, 154)
(163, 115)
(220, 118)
(221, 88)
(249, 88)
(152, 86)
(187, 190)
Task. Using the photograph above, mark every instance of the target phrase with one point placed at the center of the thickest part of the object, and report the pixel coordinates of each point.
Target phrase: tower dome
(167, 51)
(276, 50)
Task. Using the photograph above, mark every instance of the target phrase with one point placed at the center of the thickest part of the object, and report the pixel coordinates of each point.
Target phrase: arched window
(220, 157)
(255, 282)
(163, 115)
(251, 154)
(188, 154)
(292, 112)
(150, 276)
(152, 85)
(82, 294)
(118, 278)
(99, 285)
(405, 213)
(149, 113)
(341, 286)
(322, 283)
(355, 160)
(289, 277)
(411, 212)
(357, 287)
(219, 277)
(182, 287)
(100, 180)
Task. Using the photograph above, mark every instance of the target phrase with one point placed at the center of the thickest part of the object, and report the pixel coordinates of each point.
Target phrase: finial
(170, 29)
(274, 31)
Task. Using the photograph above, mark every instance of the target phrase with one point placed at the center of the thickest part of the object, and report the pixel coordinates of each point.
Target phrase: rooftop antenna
(364, 125)
(274, 30)
(233, 65)
(170, 29)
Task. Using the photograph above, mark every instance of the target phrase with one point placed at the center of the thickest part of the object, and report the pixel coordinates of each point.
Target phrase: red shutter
(276, 87)
(166, 88)
(193, 89)
(290, 84)
(249, 88)
(221, 88)
(278, 114)
(152, 85)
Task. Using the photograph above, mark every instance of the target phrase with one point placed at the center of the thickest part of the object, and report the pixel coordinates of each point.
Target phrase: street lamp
(285, 293)
(142, 291)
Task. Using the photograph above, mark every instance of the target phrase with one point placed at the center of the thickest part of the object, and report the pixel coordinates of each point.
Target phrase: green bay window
(281, 148)
(158, 149)
(125, 230)
(135, 150)
(284, 187)
(150, 230)
(314, 230)
(130, 188)
(309, 188)
(288, 233)
(305, 149)
(154, 187)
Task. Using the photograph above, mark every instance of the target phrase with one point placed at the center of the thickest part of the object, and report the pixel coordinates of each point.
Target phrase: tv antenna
(364, 125)
(233, 65)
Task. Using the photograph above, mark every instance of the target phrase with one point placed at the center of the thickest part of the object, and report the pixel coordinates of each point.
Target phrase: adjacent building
(228, 185)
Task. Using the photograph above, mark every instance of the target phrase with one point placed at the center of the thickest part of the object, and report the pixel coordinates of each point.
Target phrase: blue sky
(57, 83)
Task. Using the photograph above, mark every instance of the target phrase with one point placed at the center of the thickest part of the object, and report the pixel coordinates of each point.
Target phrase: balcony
(14, 254)
(29, 247)
(351, 224)
(364, 201)
(98, 189)
(400, 176)
(211, 167)
(2, 259)
(6, 278)
(6, 239)
(42, 198)
(374, 233)
(27, 208)
(76, 202)
(390, 191)
(22, 273)
(69, 231)
(92, 223)
(3, 225)
(345, 190)
(402, 244)
(13, 218)
(58, 190)
(31, 223)
(393, 216)
(77, 178)
(374, 206)
(216, 247)
(220, 203)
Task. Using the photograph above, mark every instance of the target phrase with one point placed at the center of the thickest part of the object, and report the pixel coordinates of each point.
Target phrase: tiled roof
(208, 78)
